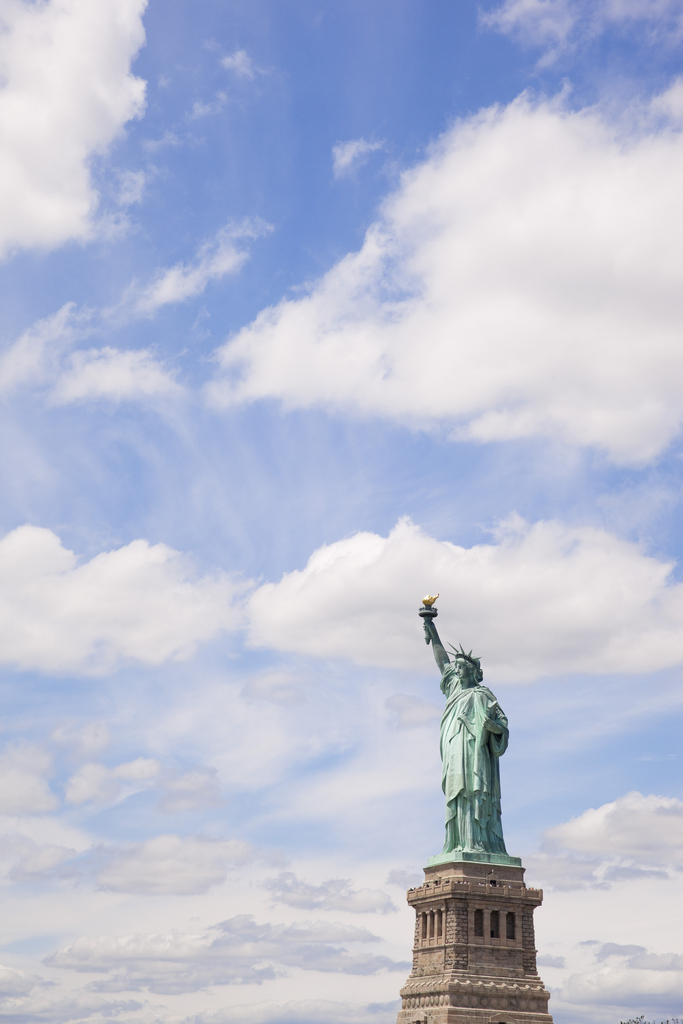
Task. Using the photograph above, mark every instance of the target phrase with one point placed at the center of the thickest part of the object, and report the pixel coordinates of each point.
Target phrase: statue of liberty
(474, 734)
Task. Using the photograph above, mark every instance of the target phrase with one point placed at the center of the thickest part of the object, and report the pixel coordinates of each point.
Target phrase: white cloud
(561, 24)
(139, 602)
(630, 977)
(241, 63)
(86, 741)
(551, 961)
(38, 358)
(522, 281)
(113, 374)
(347, 156)
(66, 94)
(195, 789)
(277, 687)
(646, 828)
(23, 787)
(412, 712)
(38, 1005)
(16, 983)
(334, 894)
(630, 839)
(563, 598)
(200, 109)
(405, 879)
(26, 859)
(35, 355)
(237, 951)
(172, 864)
(131, 187)
(167, 139)
(301, 1011)
(214, 259)
(94, 782)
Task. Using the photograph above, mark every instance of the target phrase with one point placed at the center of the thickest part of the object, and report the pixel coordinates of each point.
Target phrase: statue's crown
(474, 662)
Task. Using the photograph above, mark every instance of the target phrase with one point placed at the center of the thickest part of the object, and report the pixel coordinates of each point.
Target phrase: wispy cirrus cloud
(347, 156)
(43, 356)
(219, 255)
(561, 25)
(114, 375)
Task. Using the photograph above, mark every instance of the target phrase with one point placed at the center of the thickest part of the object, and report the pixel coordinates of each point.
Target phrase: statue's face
(465, 672)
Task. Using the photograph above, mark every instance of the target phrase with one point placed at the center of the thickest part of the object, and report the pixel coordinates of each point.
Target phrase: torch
(428, 612)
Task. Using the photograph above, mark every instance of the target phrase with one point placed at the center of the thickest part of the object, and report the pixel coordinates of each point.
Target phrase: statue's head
(468, 669)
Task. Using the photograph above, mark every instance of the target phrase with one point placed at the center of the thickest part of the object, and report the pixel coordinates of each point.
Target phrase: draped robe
(470, 774)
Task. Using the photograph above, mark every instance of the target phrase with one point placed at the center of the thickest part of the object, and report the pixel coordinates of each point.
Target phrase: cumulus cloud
(220, 255)
(164, 865)
(522, 281)
(276, 687)
(139, 602)
(29, 998)
(27, 860)
(412, 712)
(558, 25)
(628, 976)
(85, 740)
(16, 983)
(236, 952)
(172, 864)
(347, 156)
(632, 838)
(41, 1005)
(564, 599)
(404, 879)
(647, 827)
(241, 63)
(334, 894)
(23, 785)
(301, 1011)
(188, 792)
(113, 374)
(94, 782)
(66, 93)
(546, 960)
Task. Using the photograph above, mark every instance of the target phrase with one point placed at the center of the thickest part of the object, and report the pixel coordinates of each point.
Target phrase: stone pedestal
(474, 957)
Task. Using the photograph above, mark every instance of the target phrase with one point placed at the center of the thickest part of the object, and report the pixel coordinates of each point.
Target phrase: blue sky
(310, 308)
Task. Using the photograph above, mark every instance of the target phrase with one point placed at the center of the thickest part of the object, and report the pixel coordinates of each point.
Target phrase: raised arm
(433, 637)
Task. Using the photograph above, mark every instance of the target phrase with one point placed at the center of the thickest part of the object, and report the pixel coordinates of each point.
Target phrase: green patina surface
(479, 858)
(474, 735)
